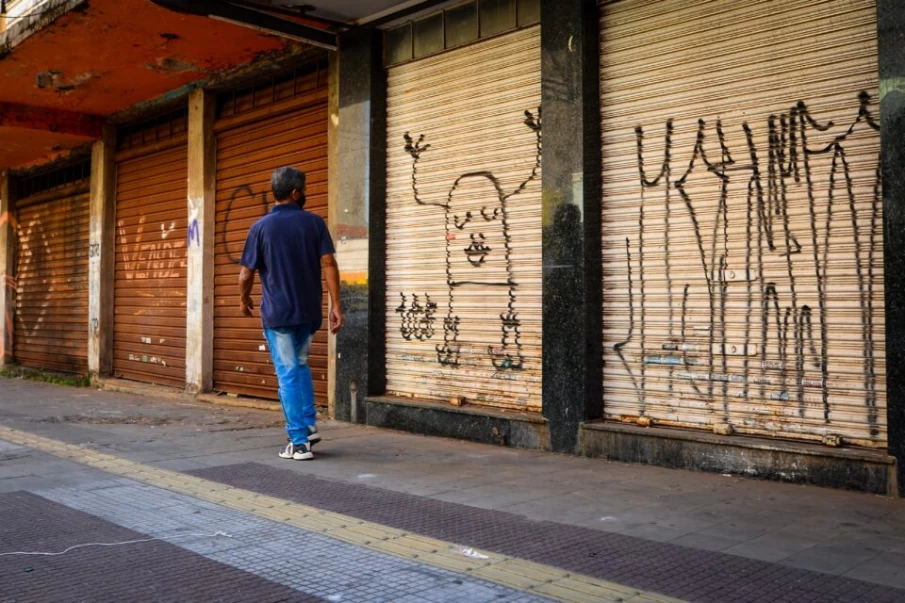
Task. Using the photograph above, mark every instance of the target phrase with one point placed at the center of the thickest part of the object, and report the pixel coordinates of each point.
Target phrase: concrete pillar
(891, 21)
(333, 177)
(359, 206)
(199, 350)
(572, 287)
(101, 255)
(7, 269)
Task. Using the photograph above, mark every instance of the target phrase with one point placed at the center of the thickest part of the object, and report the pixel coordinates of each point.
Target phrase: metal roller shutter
(51, 329)
(150, 278)
(464, 225)
(284, 124)
(742, 225)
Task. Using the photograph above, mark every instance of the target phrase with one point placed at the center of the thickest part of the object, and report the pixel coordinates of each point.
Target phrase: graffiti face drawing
(478, 254)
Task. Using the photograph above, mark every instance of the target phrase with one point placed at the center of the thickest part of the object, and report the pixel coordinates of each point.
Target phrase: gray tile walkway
(301, 560)
(755, 517)
(647, 563)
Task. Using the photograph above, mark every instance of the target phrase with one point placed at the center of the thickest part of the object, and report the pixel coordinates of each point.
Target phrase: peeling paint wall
(117, 58)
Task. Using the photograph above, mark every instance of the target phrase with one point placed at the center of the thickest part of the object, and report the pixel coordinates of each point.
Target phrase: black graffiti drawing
(478, 251)
(473, 222)
(235, 198)
(798, 332)
(417, 319)
(631, 324)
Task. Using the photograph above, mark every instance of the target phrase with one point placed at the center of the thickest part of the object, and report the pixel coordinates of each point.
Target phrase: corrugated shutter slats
(51, 328)
(742, 224)
(247, 153)
(150, 271)
(464, 225)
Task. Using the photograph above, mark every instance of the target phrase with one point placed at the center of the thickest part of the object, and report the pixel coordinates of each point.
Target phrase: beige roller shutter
(742, 226)
(150, 273)
(51, 329)
(464, 225)
(281, 124)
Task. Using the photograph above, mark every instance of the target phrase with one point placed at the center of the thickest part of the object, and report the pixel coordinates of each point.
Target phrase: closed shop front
(281, 122)
(150, 272)
(51, 327)
(464, 228)
(742, 219)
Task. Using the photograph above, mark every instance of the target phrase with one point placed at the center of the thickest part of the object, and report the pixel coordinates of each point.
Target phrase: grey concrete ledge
(238, 401)
(37, 18)
(779, 460)
(473, 423)
(124, 386)
(481, 411)
(135, 388)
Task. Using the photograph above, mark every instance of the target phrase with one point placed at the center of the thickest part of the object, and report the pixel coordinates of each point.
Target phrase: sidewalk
(687, 535)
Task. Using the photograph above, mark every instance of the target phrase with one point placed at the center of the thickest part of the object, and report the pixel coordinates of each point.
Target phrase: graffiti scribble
(791, 184)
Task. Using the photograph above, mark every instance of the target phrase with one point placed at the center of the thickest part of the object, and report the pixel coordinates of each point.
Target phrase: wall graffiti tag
(786, 247)
(34, 255)
(51, 284)
(487, 254)
(146, 258)
(238, 201)
(194, 233)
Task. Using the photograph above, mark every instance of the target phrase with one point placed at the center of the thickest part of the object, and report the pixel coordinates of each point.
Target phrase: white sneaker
(297, 453)
(313, 436)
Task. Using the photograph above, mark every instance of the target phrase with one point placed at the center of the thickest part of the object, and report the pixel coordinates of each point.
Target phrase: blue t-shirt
(285, 248)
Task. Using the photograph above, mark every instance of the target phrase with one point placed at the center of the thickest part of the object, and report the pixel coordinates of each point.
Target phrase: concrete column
(333, 177)
(7, 269)
(358, 222)
(891, 20)
(572, 314)
(199, 351)
(101, 255)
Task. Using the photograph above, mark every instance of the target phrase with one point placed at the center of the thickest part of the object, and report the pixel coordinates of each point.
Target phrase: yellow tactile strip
(542, 580)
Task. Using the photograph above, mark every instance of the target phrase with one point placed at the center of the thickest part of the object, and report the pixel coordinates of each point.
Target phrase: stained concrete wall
(202, 172)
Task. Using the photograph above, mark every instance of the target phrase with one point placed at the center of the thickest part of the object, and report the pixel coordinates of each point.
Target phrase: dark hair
(284, 180)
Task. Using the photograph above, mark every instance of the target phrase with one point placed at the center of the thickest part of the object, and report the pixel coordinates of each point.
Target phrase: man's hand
(247, 305)
(331, 276)
(336, 320)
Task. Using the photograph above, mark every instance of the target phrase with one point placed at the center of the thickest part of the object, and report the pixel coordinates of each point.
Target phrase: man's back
(286, 247)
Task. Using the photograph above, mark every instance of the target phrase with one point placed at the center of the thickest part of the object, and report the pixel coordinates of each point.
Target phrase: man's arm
(246, 282)
(331, 275)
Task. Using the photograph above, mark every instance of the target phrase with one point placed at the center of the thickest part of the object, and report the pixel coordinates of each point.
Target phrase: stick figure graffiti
(476, 209)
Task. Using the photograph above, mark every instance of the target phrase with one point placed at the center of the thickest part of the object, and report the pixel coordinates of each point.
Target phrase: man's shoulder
(310, 215)
(311, 219)
(261, 222)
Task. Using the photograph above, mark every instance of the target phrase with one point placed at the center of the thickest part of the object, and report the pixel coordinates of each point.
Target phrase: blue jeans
(289, 347)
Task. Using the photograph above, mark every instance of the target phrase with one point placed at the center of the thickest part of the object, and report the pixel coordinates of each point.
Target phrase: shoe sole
(314, 439)
(297, 457)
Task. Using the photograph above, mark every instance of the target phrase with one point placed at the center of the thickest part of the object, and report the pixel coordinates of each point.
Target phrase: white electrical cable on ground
(79, 546)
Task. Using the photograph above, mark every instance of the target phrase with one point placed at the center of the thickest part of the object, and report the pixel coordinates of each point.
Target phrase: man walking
(289, 247)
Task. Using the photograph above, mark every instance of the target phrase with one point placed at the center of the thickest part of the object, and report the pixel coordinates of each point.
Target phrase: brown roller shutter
(742, 222)
(464, 224)
(283, 123)
(51, 330)
(150, 277)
